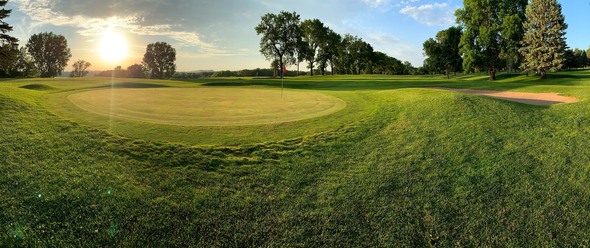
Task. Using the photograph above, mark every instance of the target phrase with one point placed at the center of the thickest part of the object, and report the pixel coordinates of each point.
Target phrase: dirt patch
(542, 99)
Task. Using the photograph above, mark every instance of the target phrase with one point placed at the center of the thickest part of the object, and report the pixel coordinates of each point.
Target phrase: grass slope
(410, 167)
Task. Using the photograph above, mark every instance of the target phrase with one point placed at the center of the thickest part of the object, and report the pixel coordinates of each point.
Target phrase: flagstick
(283, 70)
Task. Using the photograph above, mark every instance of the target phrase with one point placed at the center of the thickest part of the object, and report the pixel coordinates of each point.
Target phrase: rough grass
(411, 167)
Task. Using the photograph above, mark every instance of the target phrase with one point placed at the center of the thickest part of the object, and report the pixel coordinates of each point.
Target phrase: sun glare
(113, 47)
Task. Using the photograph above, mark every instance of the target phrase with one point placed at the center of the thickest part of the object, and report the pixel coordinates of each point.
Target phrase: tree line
(491, 36)
(505, 34)
(286, 40)
(158, 63)
(47, 54)
(258, 72)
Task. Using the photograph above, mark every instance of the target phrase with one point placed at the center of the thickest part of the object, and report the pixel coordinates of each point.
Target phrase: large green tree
(50, 53)
(25, 65)
(443, 53)
(576, 58)
(486, 35)
(281, 36)
(300, 54)
(314, 36)
(384, 64)
(329, 51)
(581, 58)
(80, 68)
(136, 71)
(344, 56)
(512, 32)
(160, 60)
(544, 42)
(354, 54)
(8, 58)
(361, 53)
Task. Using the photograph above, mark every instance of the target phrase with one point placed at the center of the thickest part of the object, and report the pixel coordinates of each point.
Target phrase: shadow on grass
(41, 87)
(338, 83)
(504, 82)
(137, 85)
(571, 75)
(131, 85)
(8, 79)
(505, 76)
(232, 84)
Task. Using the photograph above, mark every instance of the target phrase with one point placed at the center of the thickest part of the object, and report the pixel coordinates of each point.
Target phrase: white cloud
(376, 3)
(41, 13)
(407, 2)
(436, 14)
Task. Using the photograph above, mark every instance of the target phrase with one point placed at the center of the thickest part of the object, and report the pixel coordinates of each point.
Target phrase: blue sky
(219, 34)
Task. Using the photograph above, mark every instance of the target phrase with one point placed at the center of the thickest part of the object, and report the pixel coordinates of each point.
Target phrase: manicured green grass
(206, 106)
(298, 113)
(401, 165)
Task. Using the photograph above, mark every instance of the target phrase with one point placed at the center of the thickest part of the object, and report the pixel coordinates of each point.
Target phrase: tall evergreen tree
(544, 42)
(581, 58)
(4, 27)
(8, 44)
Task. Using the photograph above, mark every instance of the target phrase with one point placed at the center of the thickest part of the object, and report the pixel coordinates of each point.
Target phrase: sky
(220, 35)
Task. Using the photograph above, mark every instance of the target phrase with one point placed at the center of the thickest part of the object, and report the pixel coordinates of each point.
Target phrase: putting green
(206, 106)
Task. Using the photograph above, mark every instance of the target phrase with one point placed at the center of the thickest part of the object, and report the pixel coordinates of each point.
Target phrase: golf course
(331, 161)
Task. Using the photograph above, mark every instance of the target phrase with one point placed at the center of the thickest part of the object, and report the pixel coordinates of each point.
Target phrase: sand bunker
(542, 99)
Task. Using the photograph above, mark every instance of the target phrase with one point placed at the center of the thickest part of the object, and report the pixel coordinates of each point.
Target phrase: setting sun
(113, 47)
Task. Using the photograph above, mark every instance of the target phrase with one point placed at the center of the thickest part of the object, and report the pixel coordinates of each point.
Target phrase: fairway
(206, 106)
